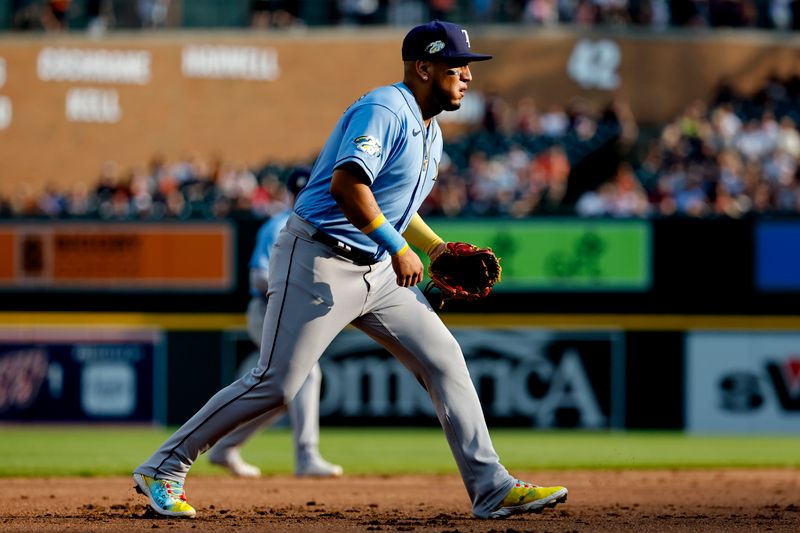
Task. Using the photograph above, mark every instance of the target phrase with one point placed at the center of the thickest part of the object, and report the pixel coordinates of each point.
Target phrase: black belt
(339, 248)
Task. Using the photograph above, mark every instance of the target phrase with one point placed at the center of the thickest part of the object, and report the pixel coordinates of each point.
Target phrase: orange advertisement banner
(118, 256)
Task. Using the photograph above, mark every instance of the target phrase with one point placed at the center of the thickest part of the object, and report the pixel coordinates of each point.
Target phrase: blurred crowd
(189, 187)
(100, 15)
(732, 156)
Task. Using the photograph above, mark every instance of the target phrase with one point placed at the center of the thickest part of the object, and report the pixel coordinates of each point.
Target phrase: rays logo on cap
(435, 46)
(369, 145)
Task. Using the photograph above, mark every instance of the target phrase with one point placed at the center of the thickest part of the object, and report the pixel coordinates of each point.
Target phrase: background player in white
(304, 409)
(343, 259)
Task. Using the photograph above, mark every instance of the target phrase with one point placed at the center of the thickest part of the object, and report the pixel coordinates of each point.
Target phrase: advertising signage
(85, 375)
(118, 256)
(563, 255)
(777, 256)
(523, 377)
(743, 382)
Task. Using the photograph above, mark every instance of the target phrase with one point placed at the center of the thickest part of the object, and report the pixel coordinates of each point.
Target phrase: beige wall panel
(321, 73)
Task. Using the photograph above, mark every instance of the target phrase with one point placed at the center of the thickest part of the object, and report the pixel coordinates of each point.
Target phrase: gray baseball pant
(314, 294)
(303, 410)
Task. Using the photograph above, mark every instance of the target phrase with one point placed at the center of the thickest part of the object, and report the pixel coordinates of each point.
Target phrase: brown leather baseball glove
(464, 271)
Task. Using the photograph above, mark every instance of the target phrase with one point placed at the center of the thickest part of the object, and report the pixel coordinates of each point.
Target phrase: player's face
(450, 83)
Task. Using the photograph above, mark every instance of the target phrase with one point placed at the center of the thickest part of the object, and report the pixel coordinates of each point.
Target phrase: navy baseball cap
(298, 179)
(439, 41)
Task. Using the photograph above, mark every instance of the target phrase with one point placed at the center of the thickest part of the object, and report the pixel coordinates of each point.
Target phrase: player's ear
(423, 68)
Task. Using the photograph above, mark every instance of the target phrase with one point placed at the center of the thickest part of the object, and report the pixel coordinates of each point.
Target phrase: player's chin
(453, 105)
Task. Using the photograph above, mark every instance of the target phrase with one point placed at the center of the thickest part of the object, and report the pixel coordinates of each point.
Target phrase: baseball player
(344, 258)
(304, 409)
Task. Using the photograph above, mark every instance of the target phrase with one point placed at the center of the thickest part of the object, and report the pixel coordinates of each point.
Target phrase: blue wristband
(385, 236)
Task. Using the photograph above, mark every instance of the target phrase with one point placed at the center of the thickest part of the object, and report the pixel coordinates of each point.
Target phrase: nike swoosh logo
(415, 132)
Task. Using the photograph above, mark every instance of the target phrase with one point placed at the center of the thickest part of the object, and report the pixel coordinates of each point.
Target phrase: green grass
(94, 451)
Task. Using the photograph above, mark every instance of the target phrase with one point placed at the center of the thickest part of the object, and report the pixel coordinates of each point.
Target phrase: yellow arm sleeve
(421, 235)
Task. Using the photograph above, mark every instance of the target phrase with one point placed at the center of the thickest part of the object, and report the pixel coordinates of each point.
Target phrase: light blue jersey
(383, 132)
(266, 237)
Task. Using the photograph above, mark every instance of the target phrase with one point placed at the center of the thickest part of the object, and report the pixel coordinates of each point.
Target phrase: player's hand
(408, 268)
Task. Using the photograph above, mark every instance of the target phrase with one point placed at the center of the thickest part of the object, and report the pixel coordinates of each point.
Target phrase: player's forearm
(355, 199)
(422, 236)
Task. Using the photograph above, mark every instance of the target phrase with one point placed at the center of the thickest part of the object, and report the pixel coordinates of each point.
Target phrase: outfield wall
(68, 103)
(579, 377)
(669, 323)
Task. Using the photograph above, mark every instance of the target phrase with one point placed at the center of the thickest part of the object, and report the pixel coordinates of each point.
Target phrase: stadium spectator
(360, 12)
(546, 185)
(494, 112)
(275, 14)
(55, 15)
(79, 202)
(152, 13)
(441, 9)
(481, 9)
(26, 15)
(788, 138)
(526, 117)
(100, 15)
(406, 12)
(5, 206)
(554, 122)
(542, 12)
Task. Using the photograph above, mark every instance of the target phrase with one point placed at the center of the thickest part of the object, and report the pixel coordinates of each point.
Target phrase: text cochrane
(100, 66)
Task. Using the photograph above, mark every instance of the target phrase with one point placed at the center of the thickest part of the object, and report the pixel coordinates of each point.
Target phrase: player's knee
(449, 346)
(445, 356)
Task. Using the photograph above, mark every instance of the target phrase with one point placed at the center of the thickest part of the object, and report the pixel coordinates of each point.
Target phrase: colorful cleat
(527, 498)
(166, 497)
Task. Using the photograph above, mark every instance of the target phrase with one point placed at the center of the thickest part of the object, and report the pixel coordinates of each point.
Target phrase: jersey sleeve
(370, 137)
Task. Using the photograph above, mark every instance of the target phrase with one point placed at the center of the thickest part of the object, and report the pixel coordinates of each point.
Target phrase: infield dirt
(686, 500)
